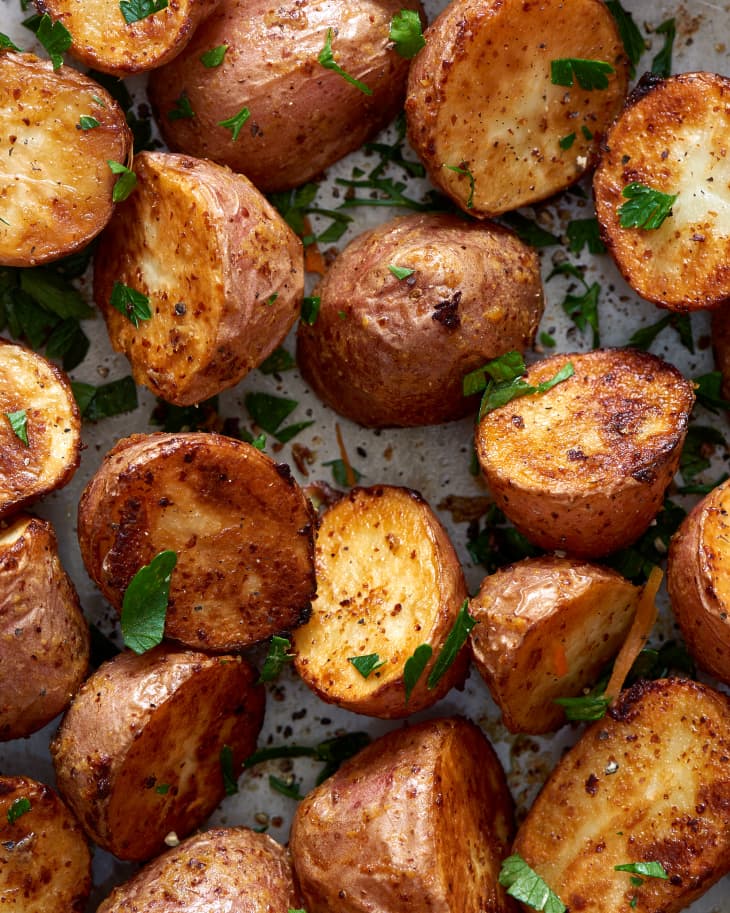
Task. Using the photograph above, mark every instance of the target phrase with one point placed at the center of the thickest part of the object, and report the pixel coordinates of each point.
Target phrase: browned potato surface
(104, 40)
(239, 523)
(223, 870)
(303, 117)
(419, 820)
(138, 754)
(45, 866)
(483, 113)
(545, 629)
(649, 783)
(222, 271)
(672, 137)
(31, 385)
(388, 581)
(44, 639)
(584, 466)
(474, 293)
(721, 346)
(55, 183)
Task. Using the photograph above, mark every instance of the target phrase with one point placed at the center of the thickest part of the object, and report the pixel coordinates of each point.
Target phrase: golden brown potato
(105, 40)
(584, 466)
(56, 186)
(491, 126)
(474, 293)
(671, 138)
(39, 395)
(546, 627)
(721, 346)
(303, 117)
(222, 272)
(138, 754)
(44, 639)
(649, 783)
(45, 865)
(419, 820)
(239, 523)
(223, 870)
(388, 581)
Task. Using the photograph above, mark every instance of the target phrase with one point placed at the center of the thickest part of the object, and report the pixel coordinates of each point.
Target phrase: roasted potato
(239, 523)
(38, 397)
(223, 870)
(300, 117)
(419, 820)
(44, 639)
(222, 273)
(471, 292)
(721, 346)
(545, 629)
(671, 139)
(45, 865)
(388, 581)
(56, 191)
(494, 123)
(584, 466)
(138, 754)
(649, 783)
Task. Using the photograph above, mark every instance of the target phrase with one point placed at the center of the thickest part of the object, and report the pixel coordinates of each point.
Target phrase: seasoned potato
(721, 346)
(584, 466)
(545, 629)
(138, 754)
(239, 523)
(388, 581)
(44, 639)
(420, 819)
(473, 293)
(39, 395)
(672, 138)
(222, 272)
(104, 39)
(223, 870)
(303, 117)
(493, 129)
(45, 865)
(56, 189)
(649, 783)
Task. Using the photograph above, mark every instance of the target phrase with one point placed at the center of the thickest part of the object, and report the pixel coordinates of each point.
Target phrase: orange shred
(560, 660)
(349, 471)
(313, 259)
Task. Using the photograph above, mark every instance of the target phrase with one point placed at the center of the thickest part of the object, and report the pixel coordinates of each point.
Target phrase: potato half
(473, 292)
(40, 396)
(649, 783)
(138, 754)
(223, 870)
(45, 864)
(672, 137)
(584, 467)
(44, 639)
(545, 629)
(493, 129)
(239, 523)
(418, 820)
(388, 581)
(302, 117)
(55, 183)
(222, 272)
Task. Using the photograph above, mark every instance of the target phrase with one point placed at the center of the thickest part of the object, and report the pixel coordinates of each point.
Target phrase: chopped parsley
(565, 142)
(135, 10)
(680, 323)
(106, 400)
(506, 381)
(310, 309)
(589, 74)
(636, 561)
(235, 123)
(406, 33)
(214, 57)
(631, 37)
(708, 390)
(19, 423)
(699, 439)
(55, 38)
(126, 182)
(661, 65)
(524, 884)
(331, 752)
(230, 781)
(6, 43)
(18, 808)
(366, 664)
(645, 207)
(183, 109)
(134, 305)
(144, 606)
(582, 232)
(454, 642)
(584, 709)
(465, 171)
(87, 122)
(647, 869)
(327, 60)
(401, 272)
(279, 361)
(582, 308)
(162, 789)
(340, 472)
(277, 657)
(528, 231)
(414, 666)
(286, 788)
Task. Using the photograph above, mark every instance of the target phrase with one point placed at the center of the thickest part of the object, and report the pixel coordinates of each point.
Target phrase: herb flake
(645, 207)
(230, 781)
(136, 10)
(452, 646)
(524, 884)
(589, 74)
(134, 305)
(87, 122)
(277, 657)
(406, 33)
(327, 60)
(235, 123)
(182, 109)
(661, 65)
(144, 606)
(55, 38)
(214, 57)
(125, 183)
(414, 666)
(19, 423)
(367, 663)
(631, 37)
(401, 272)
(465, 172)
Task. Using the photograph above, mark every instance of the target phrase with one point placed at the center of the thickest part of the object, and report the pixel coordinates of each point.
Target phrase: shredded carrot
(646, 612)
(349, 471)
(313, 259)
(560, 660)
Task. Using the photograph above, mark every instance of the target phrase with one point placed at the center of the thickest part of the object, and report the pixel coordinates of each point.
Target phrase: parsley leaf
(55, 38)
(133, 304)
(401, 272)
(310, 309)
(582, 309)
(584, 709)
(407, 34)
(214, 57)
(693, 460)
(279, 361)
(19, 423)
(497, 543)
(106, 400)
(708, 390)
(145, 603)
(276, 658)
(268, 411)
(327, 60)
(506, 381)
(524, 884)
(134, 10)
(472, 182)
(332, 752)
(681, 323)
(140, 126)
(648, 869)
(340, 474)
(565, 142)
(661, 65)
(5, 42)
(230, 781)
(289, 789)
(367, 663)
(589, 74)
(582, 232)
(529, 231)
(162, 789)
(87, 122)
(183, 109)
(126, 182)
(633, 42)
(235, 123)
(645, 208)
(454, 642)
(18, 807)
(636, 561)
(414, 666)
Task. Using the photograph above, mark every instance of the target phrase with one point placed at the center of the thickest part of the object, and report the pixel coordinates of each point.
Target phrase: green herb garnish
(340, 474)
(528, 231)
(310, 309)
(524, 884)
(565, 142)
(661, 65)
(18, 808)
(681, 323)
(279, 361)
(589, 74)
(55, 38)
(87, 122)
(135, 10)
(125, 183)
(631, 37)
(414, 666)
(406, 33)
(183, 109)
(645, 207)
(230, 781)
(106, 400)
(289, 789)
(582, 308)
(214, 57)
(466, 172)
(327, 60)
(401, 272)
(145, 603)
(6, 43)
(19, 423)
(584, 709)
(582, 232)
(277, 657)
(454, 642)
(162, 789)
(505, 381)
(332, 752)
(366, 664)
(235, 123)
(647, 869)
(132, 304)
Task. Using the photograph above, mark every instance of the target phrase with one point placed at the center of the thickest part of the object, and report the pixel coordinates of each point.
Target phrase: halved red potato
(388, 583)
(222, 273)
(44, 639)
(38, 395)
(55, 181)
(672, 137)
(584, 466)
(45, 864)
(486, 118)
(138, 754)
(238, 522)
